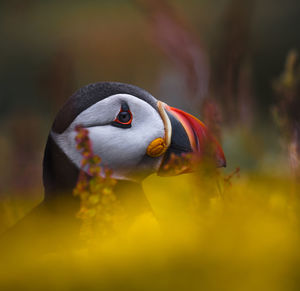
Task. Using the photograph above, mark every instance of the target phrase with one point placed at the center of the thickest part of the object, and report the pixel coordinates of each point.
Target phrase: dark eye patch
(124, 106)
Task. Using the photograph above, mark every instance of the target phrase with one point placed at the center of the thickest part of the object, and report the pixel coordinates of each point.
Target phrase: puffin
(133, 133)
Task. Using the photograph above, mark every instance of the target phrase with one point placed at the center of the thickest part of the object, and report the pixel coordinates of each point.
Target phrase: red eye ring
(124, 117)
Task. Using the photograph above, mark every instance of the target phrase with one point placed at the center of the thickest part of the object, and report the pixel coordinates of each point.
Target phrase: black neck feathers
(59, 173)
(60, 177)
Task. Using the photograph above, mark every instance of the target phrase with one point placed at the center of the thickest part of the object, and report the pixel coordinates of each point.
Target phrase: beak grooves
(202, 142)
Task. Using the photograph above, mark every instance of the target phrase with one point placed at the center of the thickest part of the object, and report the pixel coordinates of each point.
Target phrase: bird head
(134, 134)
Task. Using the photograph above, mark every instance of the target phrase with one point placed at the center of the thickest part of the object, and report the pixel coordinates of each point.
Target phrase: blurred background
(232, 63)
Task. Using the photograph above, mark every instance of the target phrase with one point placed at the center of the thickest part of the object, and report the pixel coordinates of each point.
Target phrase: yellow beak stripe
(158, 146)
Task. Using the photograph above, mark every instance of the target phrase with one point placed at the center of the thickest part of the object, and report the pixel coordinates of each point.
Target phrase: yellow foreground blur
(203, 236)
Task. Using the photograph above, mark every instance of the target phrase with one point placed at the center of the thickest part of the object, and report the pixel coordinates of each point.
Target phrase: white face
(123, 150)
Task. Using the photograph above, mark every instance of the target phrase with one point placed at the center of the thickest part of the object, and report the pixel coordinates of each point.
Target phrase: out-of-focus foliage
(245, 239)
(100, 211)
(286, 113)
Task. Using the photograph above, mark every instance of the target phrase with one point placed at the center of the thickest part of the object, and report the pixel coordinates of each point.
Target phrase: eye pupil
(124, 116)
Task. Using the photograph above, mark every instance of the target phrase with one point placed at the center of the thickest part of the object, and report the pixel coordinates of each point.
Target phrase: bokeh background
(232, 63)
(217, 59)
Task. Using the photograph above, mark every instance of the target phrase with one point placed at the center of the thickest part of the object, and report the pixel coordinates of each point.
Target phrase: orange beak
(191, 137)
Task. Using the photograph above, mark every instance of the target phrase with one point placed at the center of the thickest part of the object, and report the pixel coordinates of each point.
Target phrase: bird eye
(123, 119)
